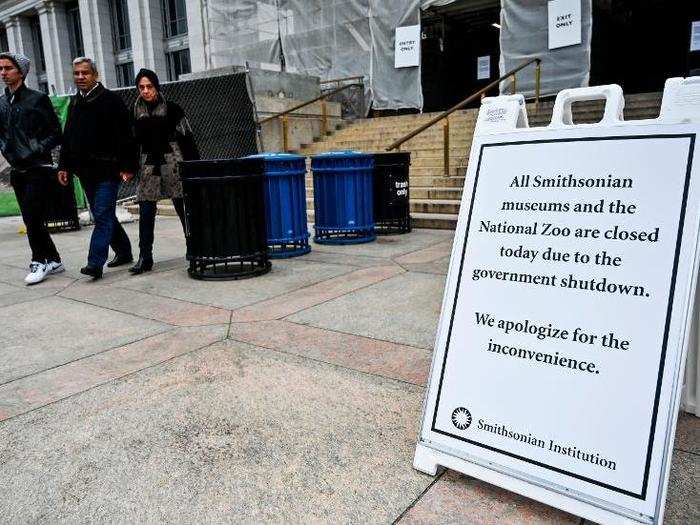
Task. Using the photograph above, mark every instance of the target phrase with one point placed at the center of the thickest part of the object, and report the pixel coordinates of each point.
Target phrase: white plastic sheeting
(243, 31)
(392, 88)
(524, 35)
(327, 38)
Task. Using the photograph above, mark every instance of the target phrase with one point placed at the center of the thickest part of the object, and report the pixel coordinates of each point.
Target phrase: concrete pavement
(292, 397)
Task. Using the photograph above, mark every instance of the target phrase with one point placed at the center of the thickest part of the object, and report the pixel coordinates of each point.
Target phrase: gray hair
(85, 60)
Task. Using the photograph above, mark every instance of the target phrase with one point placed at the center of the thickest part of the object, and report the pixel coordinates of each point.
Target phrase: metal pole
(285, 133)
(324, 118)
(514, 85)
(446, 146)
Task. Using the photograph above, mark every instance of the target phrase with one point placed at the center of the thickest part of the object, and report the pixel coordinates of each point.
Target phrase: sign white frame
(680, 116)
(564, 22)
(407, 44)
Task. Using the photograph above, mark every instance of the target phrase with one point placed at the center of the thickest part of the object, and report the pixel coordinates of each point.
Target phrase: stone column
(19, 40)
(96, 21)
(198, 35)
(146, 19)
(54, 35)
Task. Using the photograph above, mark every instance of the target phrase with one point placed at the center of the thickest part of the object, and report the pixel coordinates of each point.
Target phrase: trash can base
(326, 236)
(233, 270)
(285, 251)
(395, 227)
(63, 226)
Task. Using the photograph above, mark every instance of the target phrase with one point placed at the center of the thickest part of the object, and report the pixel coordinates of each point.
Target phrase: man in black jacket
(29, 130)
(98, 147)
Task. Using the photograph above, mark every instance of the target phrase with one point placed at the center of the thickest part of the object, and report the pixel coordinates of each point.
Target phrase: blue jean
(102, 196)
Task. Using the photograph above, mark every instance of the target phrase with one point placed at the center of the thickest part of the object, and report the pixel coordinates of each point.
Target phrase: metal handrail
(397, 144)
(283, 116)
(308, 102)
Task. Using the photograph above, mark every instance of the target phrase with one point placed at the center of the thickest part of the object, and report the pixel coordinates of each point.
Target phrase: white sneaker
(53, 267)
(37, 273)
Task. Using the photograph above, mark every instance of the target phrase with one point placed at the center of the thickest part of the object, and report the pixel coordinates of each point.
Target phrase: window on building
(178, 63)
(174, 18)
(75, 33)
(3, 39)
(120, 24)
(125, 74)
(38, 44)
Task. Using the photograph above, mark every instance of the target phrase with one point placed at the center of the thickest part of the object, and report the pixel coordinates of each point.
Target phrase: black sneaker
(95, 273)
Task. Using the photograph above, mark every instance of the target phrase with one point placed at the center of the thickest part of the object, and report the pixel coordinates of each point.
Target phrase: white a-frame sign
(558, 361)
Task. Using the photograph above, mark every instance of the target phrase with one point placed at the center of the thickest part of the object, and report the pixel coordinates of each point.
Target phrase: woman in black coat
(164, 138)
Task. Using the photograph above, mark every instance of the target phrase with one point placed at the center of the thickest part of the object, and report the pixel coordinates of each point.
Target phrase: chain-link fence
(221, 112)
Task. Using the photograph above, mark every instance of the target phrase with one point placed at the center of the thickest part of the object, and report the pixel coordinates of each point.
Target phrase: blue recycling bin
(285, 204)
(343, 197)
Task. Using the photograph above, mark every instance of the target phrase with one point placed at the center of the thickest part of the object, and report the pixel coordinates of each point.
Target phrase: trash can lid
(276, 156)
(218, 168)
(341, 154)
(389, 159)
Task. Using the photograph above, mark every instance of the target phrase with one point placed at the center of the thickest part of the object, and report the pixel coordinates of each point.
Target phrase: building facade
(332, 39)
(121, 35)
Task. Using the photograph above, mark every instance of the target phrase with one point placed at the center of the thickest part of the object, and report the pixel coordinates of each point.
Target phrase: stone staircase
(434, 196)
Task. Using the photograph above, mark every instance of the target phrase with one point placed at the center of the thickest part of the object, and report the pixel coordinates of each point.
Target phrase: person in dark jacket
(164, 138)
(98, 147)
(29, 130)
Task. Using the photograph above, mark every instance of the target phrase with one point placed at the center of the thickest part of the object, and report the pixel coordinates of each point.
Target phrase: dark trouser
(31, 192)
(102, 196)
(147, 224)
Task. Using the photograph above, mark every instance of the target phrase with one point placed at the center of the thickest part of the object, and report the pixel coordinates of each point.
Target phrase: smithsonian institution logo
(461, 418)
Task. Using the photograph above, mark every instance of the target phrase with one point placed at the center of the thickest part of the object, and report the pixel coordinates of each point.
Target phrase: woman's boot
(147, 223)
(144, 264)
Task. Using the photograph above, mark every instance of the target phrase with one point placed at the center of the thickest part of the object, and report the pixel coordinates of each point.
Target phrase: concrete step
(418, 120)
(433, 165)
(438, 162)
(417, 143)
(396, 132)
(416, 171)
(438, 180)
(448, 206)
(436, 193)
(437, 221)
(416, 153)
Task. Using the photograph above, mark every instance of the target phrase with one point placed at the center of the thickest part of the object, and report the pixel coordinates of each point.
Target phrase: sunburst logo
(461, 418)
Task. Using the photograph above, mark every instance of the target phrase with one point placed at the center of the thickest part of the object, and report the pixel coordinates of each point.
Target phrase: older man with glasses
(99, 148)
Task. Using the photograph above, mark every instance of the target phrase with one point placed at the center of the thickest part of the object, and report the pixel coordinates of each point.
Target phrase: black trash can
(225, 218)
(391, 193)
(61, 208)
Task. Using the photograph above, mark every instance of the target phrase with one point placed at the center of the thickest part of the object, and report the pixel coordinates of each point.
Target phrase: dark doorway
(638, 44)
(454, 37)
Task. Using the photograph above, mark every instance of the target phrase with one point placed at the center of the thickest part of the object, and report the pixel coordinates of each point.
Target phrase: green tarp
(61, 105)
(8, 203)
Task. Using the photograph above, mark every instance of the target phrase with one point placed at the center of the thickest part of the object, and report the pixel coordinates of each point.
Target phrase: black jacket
(29, 128)
(98, 141)
(157, 126)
